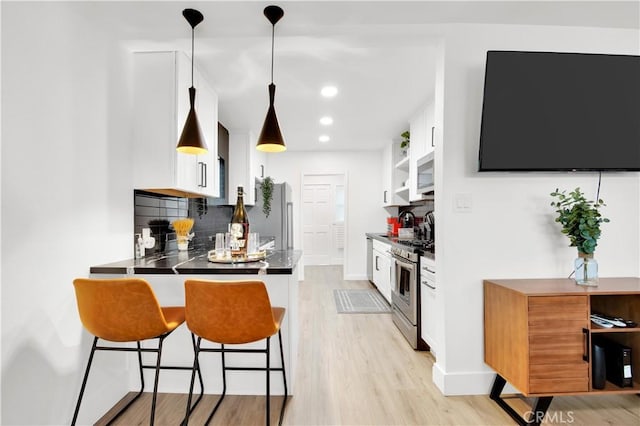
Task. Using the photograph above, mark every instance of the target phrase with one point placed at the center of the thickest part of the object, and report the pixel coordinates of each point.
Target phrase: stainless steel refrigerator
(279, 224)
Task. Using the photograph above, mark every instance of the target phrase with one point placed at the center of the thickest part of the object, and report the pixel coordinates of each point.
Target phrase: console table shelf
(598, 329)
(538, 336)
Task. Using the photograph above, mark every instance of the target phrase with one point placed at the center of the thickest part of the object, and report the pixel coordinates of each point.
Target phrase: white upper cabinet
(422, 145)
(246, 164)
(161, 104)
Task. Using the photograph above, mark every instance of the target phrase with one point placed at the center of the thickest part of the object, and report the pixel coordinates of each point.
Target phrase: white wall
(363, 191)
(66, 203)
(510, 232)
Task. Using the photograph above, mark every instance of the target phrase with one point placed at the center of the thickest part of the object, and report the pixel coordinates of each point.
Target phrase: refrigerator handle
(289, 226)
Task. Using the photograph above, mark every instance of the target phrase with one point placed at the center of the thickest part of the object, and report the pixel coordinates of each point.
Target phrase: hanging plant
(267, 194)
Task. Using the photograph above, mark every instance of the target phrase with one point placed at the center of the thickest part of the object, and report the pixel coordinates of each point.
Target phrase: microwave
(424, 172)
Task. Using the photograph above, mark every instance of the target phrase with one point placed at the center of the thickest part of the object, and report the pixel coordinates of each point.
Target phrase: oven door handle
(403, 261)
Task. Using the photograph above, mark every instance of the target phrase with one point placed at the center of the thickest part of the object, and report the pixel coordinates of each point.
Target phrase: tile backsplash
(158, 211)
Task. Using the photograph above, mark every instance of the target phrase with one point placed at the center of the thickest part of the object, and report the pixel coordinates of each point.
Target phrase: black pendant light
(270, 139)
(192, 140)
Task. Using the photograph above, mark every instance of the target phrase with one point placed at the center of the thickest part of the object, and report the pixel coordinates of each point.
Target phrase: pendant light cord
(192, 44)
(273, 31)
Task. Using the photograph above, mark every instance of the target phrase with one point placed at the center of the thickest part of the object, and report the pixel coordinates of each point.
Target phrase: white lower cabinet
(428, 304)
(382, 269)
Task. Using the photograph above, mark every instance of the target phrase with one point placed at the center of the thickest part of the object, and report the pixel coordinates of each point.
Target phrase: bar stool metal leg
(94, 347)
(284, 378)
(155, 382)
(224, 386)
(268, 398)
(84, 381)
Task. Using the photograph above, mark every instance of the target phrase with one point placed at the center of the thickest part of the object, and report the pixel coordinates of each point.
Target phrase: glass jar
(586, 270)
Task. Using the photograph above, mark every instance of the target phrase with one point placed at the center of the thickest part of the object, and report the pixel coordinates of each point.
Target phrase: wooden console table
(537, 336)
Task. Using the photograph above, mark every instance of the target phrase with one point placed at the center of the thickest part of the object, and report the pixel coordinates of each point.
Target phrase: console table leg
(540, 406)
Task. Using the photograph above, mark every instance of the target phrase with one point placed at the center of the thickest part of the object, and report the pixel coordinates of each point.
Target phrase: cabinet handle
(385, 196)
(377, 269)
(261, 170)
(202, 168)
(587, 346)
(433, 129)
(426, 283)
(204, 175)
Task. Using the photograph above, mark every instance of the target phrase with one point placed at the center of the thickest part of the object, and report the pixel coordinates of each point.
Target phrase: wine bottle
(239, 228)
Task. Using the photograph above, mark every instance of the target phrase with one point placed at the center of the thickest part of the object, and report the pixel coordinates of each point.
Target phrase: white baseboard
(466, 383)
(356, 277)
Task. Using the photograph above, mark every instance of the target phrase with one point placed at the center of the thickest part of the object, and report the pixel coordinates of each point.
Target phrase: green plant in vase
(580, 219)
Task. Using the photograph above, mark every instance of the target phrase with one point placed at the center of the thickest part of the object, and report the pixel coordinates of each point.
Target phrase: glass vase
(586, 270)
(183, 243)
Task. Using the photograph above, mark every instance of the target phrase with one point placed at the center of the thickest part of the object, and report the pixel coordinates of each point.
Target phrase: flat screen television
(546, 111)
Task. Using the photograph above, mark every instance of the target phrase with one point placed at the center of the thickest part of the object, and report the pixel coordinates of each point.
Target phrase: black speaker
(598, 367)
(617, 360)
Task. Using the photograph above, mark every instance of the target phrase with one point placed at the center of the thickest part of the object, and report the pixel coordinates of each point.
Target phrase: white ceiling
(378, 53)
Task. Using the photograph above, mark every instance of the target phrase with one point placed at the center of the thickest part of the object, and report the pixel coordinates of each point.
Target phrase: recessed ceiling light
(324, 138)
(326, 121)
(329, 91)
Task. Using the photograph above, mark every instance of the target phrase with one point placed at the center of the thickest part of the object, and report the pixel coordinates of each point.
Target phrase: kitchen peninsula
(167, 272)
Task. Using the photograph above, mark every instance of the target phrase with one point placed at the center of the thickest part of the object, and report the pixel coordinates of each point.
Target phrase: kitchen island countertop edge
(280, 262)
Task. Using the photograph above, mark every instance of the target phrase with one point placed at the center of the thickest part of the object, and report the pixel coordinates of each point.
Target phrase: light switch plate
(462, 203)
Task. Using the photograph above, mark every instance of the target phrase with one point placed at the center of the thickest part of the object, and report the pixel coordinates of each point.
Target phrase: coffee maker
(407, 219)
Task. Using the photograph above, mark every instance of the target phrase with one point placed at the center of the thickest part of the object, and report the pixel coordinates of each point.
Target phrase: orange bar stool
(233, 312)
(126, 310)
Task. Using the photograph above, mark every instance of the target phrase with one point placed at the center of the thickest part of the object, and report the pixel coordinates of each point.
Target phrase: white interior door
(323, 219)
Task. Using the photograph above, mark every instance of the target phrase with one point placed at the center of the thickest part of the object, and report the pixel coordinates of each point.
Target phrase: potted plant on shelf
(580, 220)
(404, 143)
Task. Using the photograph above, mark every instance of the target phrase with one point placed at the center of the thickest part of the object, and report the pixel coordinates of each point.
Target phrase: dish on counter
(251, 257)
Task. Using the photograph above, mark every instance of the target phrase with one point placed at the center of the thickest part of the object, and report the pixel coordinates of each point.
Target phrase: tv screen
(547, 111)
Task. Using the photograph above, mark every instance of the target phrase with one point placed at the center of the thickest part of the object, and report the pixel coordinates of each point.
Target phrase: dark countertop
(281, 262)
(394, 241)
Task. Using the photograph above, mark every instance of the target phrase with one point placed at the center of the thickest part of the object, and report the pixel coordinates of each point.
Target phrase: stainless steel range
(405, 292)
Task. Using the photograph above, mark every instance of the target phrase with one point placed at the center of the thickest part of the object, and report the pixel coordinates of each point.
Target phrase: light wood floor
(357, 369)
